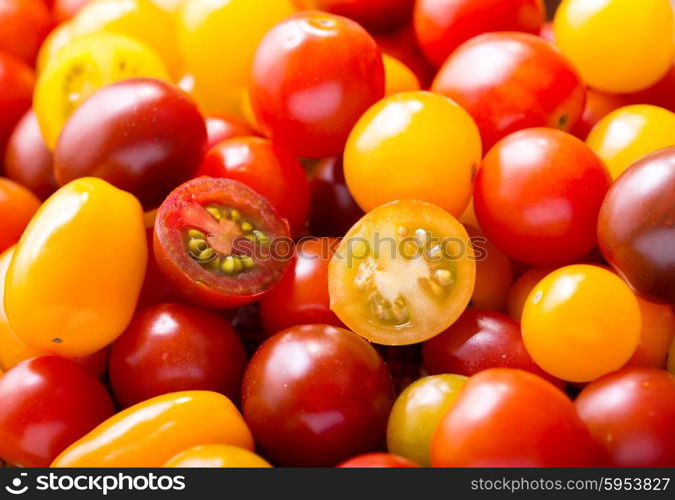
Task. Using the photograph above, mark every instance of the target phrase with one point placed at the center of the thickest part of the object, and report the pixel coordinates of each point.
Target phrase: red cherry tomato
(510, 81)
(47, 404)
(660, 94)
(443, 25)
(220, 128)
(598, 105)
(494, 274)
(176, 347)
(538, 194)
(630, 414)
(16, 93)
(156, 288)
(402, 45)
(17, 206)
(266, 168)
(377, 461)
(307, 95)
(511, 418)
(656, 335)
(315, 395)
(25, 23)
(64, 10)
(374, 15)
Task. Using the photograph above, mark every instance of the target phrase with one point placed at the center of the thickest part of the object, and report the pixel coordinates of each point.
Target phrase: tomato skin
(334, 69)
(377, 461)
(266, 168)
(220, 128)
(175, 347)
(513, 95)
(63, 10)
(16, 93)
(24, 23)
(301, 296)
(402, 45)
(522, 287)
(217, 455)
(495, 402)
(17, 207)
(443, 25)
(660, 94)
(598, 105)
(48, 403)
(374, 15)
(538, 194)
(156, 288)
(315, 372)
(398, 77)
(629, 414)
(494, 274)
(656, 335)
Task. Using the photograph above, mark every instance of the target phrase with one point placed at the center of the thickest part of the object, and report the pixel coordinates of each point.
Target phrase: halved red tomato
(404, 273)
(219, 243)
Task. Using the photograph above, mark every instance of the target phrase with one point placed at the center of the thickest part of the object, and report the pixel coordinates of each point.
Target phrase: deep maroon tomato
(221, 128)
(315, 395)
(176, 347)
(25, 23)
(16, 93)
(142, 135)
(443, 25)
(511, 418)
(28, 161)
(477, 341)
(334, 210)
(510, 81)
(47, 404)
(307, 95)
(598, 105)
(377, 461)
(301, 297)
(266, 168)
(630, 414)
(635, 227)
(374, 15)
(538, 194)
(219, 243)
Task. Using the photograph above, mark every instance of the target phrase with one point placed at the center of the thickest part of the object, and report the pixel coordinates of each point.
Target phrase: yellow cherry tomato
(413, 145)
(630, 132)
(218, 39)
(581, 322)
(217, 455)
(59, 38)
(72, 286)
(150, 433)
(85, 65)
(171, 6)
(416, 413)
(398, 77)
(618, 46)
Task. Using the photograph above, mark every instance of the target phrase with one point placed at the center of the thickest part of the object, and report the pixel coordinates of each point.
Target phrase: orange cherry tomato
(17, 206)
(217, 455)
(493, 274)
(522, 287)
(398, 77)
(656, 335)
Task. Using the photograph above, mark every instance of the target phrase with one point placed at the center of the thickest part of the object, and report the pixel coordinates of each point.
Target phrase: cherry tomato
(64, 10)
(522, 287)
(635, 226)
(47, 404)
(398, 77)
(17, 207)
(630, 414)
(307, 95)
(660, 94)
(377, 461)
(628, 133)
(510, 418)
(598, 105)
(538, 194)
(219, 243)
(266, 168)
(510, 81)
(413, 145)
(374, 15)
(176, 347)
(493, 274)
(417, 412)
(443, 25)
(59, 38)
(152, 432)
(108, 137)
(80, 263)
(402, 44)
(156, 288)
(217, 455)
(581, 322)
(656, 335)
(315, 395)
(586, 32)
(301, 297)
(24, 23)
(16, 91)
(402, 274)
(219, 128)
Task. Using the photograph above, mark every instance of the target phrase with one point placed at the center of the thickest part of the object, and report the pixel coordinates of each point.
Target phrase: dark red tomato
(511, 418)
(334, 210)
(64, 10)
(96, 364)
(377, 461)
(308, 95)
(443, 25)
(598, 105)
(635, 228)
(510, 81)
(374, 15)
(25, 23)
(538, 194)
(176, 347)
(315, 395)
(630, 414)
(659, 94)
(47, 404)
(301, 297)
(28, 161)
(266, 168)
(220, 128)
(16, 94)
(156, 288)
(477, 341)
(220, 244)
(142, 135)
(402, 45)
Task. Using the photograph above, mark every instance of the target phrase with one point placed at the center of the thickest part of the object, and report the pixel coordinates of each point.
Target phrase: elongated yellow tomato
(217, 455)
(618, 46)
(152, 432)
(72, 286)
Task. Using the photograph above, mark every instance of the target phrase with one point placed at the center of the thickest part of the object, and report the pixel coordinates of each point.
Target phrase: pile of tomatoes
(367, 233)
